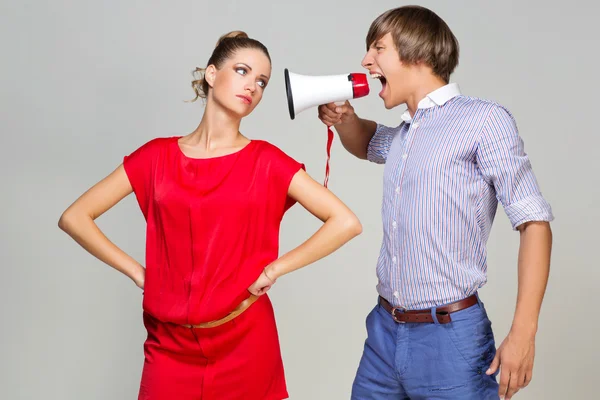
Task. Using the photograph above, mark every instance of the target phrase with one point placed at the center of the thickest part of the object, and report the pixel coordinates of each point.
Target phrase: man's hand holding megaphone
(355, 133)
(331, 94)
(332, 114)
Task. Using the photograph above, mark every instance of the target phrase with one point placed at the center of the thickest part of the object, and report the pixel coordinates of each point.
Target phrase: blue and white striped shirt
(445, 171)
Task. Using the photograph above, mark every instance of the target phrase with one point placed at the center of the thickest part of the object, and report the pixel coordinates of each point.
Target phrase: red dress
(212, 226)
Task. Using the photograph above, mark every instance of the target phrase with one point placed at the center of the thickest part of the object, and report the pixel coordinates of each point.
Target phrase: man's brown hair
(420, 35)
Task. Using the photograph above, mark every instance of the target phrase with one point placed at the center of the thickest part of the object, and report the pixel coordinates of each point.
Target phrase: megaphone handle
(329, 142)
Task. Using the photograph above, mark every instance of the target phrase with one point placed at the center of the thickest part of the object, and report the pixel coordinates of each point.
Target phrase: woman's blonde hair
(226, 46)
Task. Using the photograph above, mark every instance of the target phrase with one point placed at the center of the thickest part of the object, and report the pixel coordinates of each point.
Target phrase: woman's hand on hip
(262, 284)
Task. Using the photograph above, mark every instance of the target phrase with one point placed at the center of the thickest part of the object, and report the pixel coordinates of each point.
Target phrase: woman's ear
(210, 75)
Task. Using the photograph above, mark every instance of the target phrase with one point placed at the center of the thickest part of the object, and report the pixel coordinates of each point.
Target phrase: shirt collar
(438, 97)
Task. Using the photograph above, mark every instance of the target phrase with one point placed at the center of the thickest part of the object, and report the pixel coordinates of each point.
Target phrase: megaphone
(304, 91)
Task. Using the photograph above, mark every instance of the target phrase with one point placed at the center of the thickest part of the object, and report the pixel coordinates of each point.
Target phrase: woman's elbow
(353, 225)
(64, 221)
(67, 221)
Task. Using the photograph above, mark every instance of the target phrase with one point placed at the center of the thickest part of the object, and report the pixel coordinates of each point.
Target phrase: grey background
(84, 83)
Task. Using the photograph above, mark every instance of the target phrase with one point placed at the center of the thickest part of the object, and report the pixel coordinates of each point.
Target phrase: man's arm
(534, 268)
(355, 133)
(504, 164)
(516, 353)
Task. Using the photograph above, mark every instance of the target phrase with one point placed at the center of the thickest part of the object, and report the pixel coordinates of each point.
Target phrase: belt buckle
(402, 310)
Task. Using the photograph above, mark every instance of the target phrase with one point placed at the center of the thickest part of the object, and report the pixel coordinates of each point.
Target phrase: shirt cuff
(532, 208)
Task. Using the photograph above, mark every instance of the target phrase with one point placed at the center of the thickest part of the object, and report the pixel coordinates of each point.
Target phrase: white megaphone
(305, 91)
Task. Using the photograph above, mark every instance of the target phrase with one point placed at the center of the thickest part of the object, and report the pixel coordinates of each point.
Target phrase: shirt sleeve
(139, 169)
(379, 145)
(505, 165)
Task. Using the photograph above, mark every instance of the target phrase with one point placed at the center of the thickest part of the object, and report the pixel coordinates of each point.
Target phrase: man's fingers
(504, 381)
(527, 379)
(494, 365)
(325, 111)
(528, 373)
(329, 121)
(514, 385)
(330, 106)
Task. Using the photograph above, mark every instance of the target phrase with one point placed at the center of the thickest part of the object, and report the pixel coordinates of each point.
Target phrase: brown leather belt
(442, 313)
(243, 306)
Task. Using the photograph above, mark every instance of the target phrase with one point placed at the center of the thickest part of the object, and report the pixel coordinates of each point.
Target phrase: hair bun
(232, 35)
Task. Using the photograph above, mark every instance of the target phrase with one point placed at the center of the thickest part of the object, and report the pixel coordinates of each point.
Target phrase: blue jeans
(427, 360)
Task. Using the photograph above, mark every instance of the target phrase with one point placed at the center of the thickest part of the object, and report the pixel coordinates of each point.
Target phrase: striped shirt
(446, 168)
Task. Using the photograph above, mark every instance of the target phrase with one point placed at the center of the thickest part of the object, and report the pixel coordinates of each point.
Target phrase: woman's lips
(246, 99)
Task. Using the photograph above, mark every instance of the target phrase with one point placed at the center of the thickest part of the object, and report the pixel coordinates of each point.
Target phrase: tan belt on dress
(243, 306)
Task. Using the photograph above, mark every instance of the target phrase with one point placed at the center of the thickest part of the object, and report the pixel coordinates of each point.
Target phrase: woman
(213, 202)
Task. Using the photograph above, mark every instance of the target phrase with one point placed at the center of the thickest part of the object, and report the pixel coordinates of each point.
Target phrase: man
(446, 166)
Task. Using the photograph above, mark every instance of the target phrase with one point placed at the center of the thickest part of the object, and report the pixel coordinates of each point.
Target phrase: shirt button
(396, 294)
(394, 224)
(398, 189)
(416, 125)
(394, 259)
(404, 156)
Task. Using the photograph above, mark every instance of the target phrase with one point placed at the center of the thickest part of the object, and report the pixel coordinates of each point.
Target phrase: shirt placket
(404, 150)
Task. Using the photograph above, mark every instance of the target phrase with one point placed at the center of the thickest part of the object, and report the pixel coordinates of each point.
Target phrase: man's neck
(426, 85)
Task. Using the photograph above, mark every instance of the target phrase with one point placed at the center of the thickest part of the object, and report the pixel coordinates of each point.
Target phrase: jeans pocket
(473, 338)
(369, 321)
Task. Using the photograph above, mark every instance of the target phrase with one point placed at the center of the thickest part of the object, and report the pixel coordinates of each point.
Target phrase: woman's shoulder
(155, 144)
(271, 153)
(160, 141)
(148, 150)
(269, 148)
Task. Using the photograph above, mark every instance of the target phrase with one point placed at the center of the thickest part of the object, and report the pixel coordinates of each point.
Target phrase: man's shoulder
(476, 105)
(383, 128)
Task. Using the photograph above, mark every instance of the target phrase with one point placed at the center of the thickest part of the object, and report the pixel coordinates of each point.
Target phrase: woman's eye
(241, 71)
(262, 84)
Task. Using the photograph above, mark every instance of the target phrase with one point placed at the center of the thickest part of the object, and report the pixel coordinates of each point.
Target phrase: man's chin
(389, 104)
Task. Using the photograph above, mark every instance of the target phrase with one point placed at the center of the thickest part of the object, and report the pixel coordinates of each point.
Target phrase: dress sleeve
(284, 168)
(139, 169)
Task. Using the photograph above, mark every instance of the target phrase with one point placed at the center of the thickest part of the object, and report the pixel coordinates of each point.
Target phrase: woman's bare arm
(78, 222)
(340, 226)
